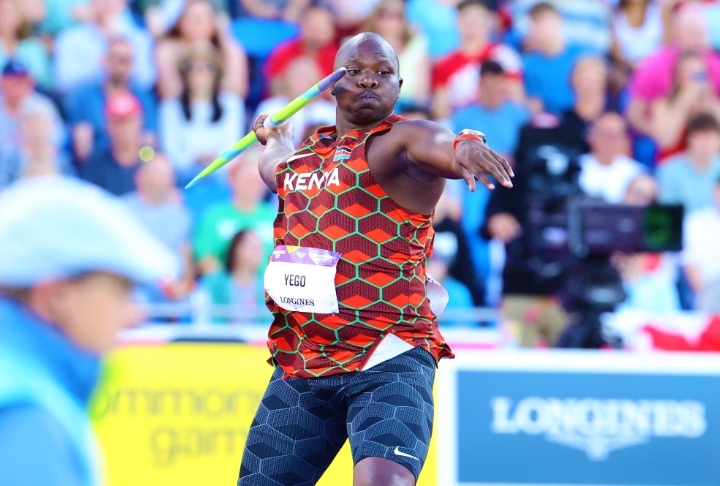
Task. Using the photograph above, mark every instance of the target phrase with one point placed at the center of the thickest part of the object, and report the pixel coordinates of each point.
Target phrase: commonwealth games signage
(580, 418)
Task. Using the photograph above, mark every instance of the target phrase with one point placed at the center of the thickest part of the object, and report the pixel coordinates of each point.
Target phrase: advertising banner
(178, 414)
(580, 418)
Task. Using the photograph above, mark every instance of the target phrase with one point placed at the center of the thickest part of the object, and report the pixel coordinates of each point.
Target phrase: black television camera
(572, 234)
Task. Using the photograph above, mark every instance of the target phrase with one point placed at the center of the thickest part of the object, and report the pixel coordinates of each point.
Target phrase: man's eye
(383, 73)
(353, 71)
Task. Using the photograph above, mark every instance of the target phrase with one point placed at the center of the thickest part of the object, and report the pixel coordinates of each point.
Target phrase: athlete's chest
(313, 171)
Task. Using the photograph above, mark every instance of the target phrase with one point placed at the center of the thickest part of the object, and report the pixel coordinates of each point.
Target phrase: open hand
(479, 161)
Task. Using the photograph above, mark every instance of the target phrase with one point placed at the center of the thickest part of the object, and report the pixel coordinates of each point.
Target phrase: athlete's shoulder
(416, 127)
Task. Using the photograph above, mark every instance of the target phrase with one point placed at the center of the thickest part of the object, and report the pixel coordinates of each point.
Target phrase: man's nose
(367, 81)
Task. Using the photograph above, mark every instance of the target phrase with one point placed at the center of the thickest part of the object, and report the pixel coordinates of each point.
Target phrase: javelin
(273, 121)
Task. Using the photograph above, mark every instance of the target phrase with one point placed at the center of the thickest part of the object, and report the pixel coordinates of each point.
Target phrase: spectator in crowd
(287, 10)
(654, 77)
(58, 15)
(586, 24)
(606, 171)
(86, 104)
(199, 24)
(589, 82)
(701, 253)
(549, 60)
(692, 94)
(16, 89)
(71, 256)
(161, 15)
(113, 168)
(388, 20)
(689, 178)
(300, 75)
(40, 151)
(238, 284)
(247, 210)
(80, 49)
(17, 41)
(648, 278)
(316, 40)
(437, 19)
(417, 112)
(494, 113)
(455, 76)
(204, 120)
(445, 250)
(157, 204)
(637, 29)
(348, 15)
(532, 278)
(456, 264)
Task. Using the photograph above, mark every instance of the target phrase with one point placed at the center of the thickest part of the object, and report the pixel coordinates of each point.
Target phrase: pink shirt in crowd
(654, 78)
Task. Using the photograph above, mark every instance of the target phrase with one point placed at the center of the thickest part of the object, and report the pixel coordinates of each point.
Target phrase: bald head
(368, 41)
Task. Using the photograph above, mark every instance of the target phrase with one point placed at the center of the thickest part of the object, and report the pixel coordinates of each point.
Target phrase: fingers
(497, 167)
(482, 177)
(505, 164)
(469, 180)
(260, 121)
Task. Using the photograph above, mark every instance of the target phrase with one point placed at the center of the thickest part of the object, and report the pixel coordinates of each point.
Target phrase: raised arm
(430, 146)
(279, 146)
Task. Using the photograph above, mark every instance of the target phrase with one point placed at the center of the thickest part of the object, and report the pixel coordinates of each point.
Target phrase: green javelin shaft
(276, 119)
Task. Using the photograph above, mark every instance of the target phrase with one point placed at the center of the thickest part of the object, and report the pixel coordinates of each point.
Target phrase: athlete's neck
(343, 126)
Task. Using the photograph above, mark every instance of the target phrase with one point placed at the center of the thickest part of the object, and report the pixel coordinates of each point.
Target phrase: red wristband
(467, 136)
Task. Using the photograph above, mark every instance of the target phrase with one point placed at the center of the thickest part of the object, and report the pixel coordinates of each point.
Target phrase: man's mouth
(366, 96)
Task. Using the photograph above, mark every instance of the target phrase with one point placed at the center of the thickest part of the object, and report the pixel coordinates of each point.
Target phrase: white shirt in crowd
(608, 182)
(319, 112)
(184, 140)
(700, 242)
(636, 44)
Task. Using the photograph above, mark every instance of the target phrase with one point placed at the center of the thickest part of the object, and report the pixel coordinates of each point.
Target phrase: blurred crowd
(137, 96)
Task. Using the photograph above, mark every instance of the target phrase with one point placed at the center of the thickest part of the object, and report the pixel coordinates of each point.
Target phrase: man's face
(474, 22)
(493, 89)
(125, 131)
(15, 88)
(607, 137)
(119, 62)
(92, 310)
(317, 28)
(35, 130)
(545, 29)
(704, 144)
(156, 176)
(370, 89)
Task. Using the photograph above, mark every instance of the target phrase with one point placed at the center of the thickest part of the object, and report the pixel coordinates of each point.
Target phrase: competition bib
(303, 279)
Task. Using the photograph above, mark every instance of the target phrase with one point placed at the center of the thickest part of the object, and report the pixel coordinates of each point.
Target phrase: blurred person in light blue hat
(69, 257)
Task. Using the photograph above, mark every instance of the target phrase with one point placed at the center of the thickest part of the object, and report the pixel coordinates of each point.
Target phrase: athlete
(355, 339)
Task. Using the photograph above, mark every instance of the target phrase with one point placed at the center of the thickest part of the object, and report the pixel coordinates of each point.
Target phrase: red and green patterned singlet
(329, 199)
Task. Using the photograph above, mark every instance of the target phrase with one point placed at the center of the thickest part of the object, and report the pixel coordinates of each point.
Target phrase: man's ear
(44, 296)
(400, 83)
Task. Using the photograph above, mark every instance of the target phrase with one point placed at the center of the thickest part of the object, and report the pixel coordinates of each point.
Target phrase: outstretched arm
(430, 146)
(279, 146)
